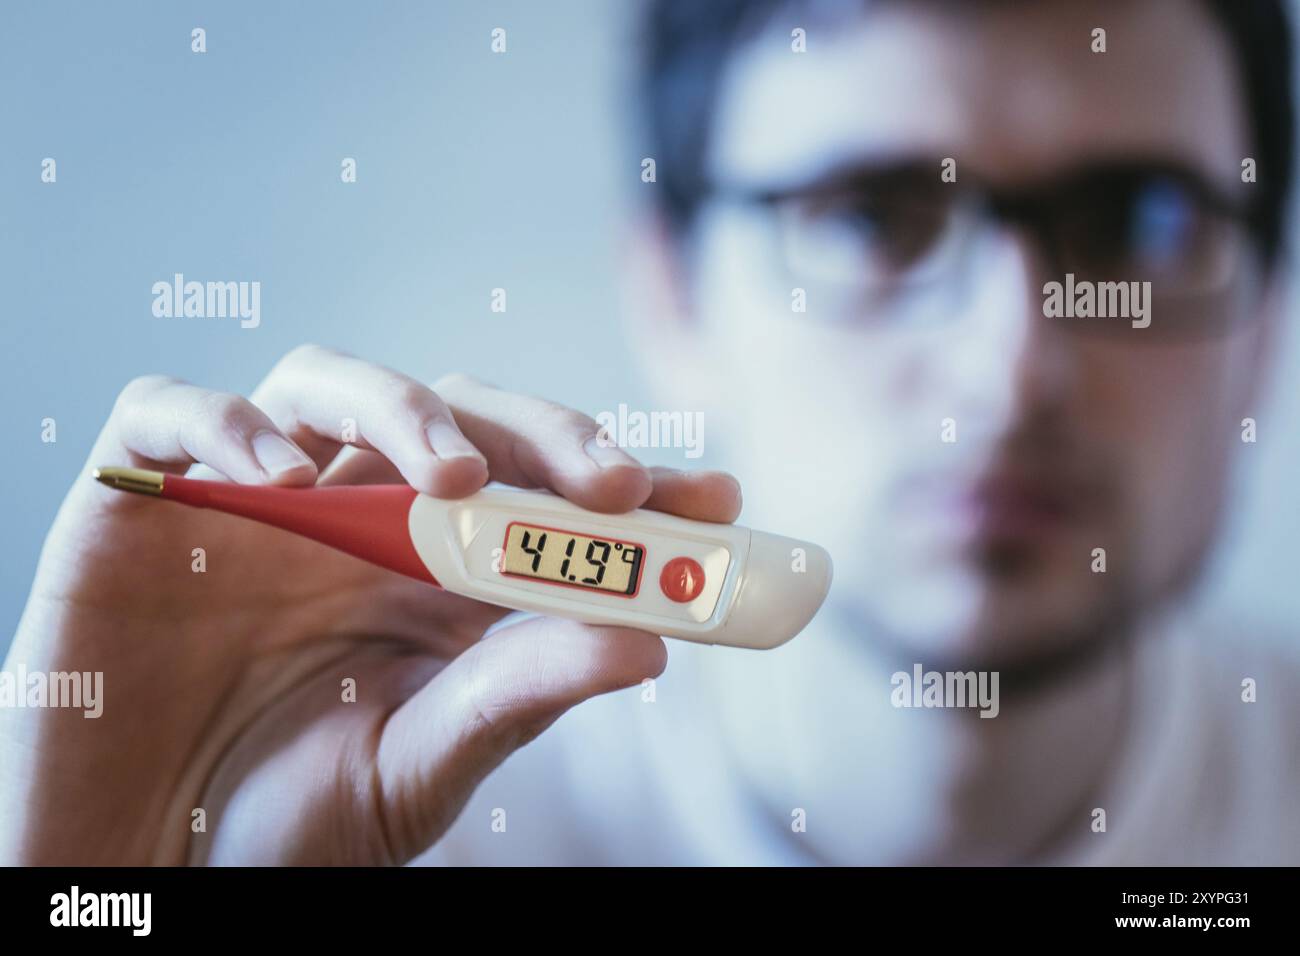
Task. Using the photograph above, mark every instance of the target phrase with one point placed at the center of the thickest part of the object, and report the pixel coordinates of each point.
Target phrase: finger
(488, 702)
(701, 495)
(531, 443)
(330, 399)
(355, 466)
(167, 425)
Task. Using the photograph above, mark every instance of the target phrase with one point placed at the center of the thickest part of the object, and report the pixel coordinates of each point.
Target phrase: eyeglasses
(862, 242)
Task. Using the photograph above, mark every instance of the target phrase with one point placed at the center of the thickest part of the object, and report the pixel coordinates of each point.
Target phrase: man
(848, 273)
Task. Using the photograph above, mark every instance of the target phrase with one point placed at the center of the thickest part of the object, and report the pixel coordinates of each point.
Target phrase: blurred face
(960, 455)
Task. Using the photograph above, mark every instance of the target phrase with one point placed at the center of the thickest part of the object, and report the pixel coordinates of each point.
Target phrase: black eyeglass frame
(1033, 208)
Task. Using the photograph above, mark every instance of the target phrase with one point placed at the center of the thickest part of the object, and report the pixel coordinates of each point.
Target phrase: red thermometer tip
(370, 522)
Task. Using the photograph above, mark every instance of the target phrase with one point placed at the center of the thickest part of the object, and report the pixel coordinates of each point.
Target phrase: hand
(222, 690)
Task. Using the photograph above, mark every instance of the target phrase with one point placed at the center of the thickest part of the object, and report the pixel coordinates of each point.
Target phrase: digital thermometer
(535, 551)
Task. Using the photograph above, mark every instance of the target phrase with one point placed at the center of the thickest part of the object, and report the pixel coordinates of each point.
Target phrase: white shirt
(736, 744)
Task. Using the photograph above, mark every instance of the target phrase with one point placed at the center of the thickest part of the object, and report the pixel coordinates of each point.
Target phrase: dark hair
(687, 45)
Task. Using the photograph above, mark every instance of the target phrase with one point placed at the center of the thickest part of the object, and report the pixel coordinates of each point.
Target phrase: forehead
(1012, 90)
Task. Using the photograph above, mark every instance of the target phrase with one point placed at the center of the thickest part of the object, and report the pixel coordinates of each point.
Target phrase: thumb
(491, 700)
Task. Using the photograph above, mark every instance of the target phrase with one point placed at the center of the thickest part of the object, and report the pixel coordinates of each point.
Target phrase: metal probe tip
(138, 480)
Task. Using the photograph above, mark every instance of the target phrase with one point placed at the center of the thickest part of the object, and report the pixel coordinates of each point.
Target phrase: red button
(682, 580)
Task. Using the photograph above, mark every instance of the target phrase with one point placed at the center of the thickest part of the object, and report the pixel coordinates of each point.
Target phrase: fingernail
(447, 441)
(276, 455)
(608, 455)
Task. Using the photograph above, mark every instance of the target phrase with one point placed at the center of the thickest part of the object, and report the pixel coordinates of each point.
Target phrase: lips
(1022, 506)
(1019, 507)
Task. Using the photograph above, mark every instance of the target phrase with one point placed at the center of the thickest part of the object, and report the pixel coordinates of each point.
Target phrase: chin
(1009, 612)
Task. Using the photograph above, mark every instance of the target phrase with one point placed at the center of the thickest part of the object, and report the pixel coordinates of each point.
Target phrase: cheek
(817, 419)
(1170, 415)
(787, 374)
(786, 371)
(1169, 406)
(815, 427)
(818, 392)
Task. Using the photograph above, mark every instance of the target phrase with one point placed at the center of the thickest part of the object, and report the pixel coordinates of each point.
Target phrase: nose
(1009, 363)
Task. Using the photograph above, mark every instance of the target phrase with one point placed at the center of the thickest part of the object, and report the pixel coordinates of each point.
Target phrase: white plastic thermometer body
(534, 551)
(694, 580)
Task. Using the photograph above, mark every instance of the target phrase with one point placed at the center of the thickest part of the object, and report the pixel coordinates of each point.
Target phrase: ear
(668, 337)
